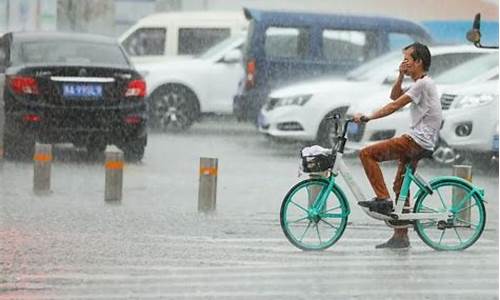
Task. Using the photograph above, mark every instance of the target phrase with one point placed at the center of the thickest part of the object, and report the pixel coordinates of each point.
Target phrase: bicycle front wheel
(308, 226)
(465, 226)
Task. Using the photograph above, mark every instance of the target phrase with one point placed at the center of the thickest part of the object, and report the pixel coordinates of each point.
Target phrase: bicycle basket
(317, 163)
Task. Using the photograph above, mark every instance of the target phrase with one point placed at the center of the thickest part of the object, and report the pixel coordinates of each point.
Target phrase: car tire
(327, 135)
(134, 151)
(16, 148)
(173, 107)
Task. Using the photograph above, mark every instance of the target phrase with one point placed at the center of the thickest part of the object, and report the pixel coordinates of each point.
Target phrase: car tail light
(32, 118)
(136, 88)
(250, 76)
(23, 85)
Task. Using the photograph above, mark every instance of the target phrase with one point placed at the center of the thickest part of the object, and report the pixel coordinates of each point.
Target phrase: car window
(146, 41)
(68, 51)
(283, 42)
(468, 70)
(193, 41)
(348, 45)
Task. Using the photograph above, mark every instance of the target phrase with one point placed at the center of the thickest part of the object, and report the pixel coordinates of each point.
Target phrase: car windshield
(217, 48)
(69, 52)
(468, 70)
(380, 65)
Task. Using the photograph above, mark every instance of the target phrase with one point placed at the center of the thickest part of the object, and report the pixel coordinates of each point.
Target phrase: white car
(179, 91)
(299, 112)
(476, 74)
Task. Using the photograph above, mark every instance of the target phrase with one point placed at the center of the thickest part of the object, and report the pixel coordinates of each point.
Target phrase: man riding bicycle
(426, 119)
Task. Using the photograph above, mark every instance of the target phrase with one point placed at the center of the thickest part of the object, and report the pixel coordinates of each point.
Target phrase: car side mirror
(233, 56)
(474, 35)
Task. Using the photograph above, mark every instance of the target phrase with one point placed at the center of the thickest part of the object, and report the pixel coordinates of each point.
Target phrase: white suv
(179, 91)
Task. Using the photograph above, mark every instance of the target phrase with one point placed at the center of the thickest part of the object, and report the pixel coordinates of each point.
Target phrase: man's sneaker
(394, 243)
(381, 206)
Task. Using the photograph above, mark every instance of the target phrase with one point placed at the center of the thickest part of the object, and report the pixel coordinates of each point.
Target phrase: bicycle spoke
(458, 235)
(319, 236)
(297, 221)
(431, 209)
(458, 211)
(340, 206)
(467, 222)
(305, 231)
(465, 199)
(442, 235)
(298, 206)
(331, 225)
(441, 198)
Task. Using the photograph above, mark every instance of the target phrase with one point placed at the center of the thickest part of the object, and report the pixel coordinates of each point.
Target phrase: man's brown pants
(402, 148)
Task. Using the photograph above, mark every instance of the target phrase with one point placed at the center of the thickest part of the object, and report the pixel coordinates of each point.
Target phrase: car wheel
(16, 148)
(134, 150)
(329, 129)
(173, 107)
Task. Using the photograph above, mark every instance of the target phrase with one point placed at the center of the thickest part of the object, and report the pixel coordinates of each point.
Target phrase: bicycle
(448, 213)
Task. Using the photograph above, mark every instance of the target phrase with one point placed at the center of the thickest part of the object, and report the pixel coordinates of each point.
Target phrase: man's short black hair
(421, 51)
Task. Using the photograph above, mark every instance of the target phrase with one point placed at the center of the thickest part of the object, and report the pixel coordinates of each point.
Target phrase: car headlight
(474, 100)
(295, 100)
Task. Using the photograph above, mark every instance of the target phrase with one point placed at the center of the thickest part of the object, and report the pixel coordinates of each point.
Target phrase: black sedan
(70, 88)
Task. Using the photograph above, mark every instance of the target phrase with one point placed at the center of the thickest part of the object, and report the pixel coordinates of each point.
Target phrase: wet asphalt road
(154, 244)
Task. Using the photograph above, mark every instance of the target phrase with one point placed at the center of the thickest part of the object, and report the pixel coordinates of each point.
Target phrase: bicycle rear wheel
(465, 226)
(307, 226)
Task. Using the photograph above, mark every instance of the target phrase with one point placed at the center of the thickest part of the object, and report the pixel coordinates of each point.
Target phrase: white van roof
(159, 18)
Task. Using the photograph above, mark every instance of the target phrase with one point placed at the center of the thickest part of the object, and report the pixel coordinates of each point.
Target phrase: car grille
(447, 100)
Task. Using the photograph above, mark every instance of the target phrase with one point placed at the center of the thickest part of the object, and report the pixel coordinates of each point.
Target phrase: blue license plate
(352, 128)
(82, 90)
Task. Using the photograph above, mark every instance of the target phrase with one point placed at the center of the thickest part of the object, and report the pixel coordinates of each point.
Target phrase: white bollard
(114, 174)
(207, 191)
(465, 172)
(42, 161)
